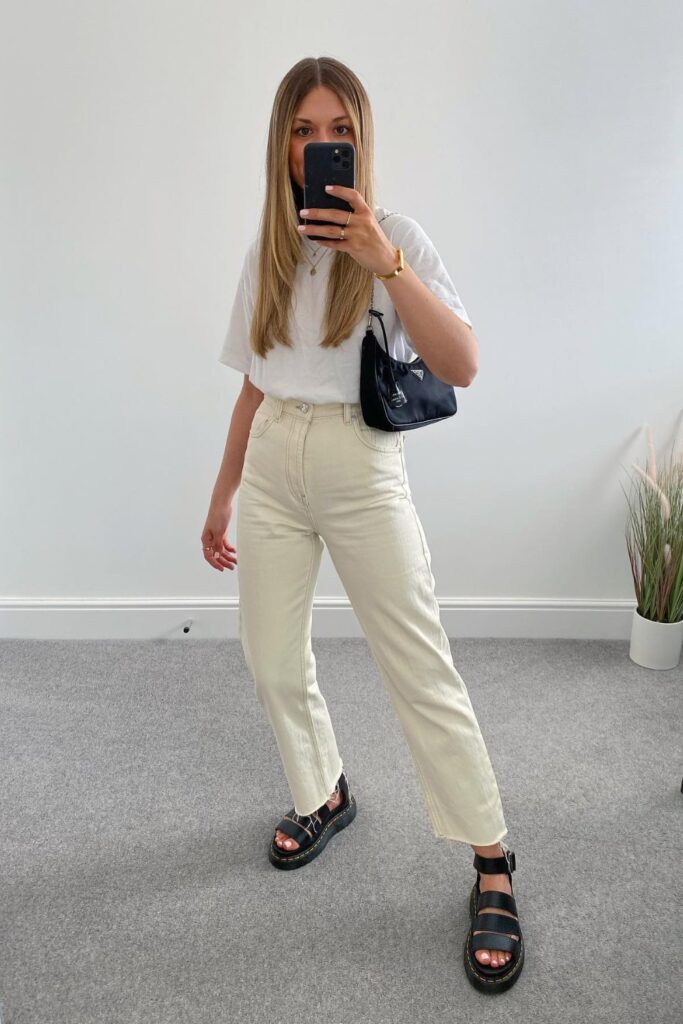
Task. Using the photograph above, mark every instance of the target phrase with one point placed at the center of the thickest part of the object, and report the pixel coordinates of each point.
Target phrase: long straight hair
(349, 289)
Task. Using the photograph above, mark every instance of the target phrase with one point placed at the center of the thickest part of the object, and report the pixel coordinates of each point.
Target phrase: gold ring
(347, 223)
(341, 237)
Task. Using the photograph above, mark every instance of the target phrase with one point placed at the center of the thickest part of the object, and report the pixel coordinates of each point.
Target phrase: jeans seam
(313, 731)
(413, 510)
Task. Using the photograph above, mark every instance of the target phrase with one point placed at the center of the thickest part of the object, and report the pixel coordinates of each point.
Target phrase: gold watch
(399, 268)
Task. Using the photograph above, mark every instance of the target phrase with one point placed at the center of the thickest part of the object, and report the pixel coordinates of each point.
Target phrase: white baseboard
(156, 618)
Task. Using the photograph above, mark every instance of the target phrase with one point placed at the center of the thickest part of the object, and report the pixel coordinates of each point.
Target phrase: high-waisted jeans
(316, 475)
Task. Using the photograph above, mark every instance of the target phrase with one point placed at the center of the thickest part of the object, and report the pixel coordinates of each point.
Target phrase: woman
(311, 473)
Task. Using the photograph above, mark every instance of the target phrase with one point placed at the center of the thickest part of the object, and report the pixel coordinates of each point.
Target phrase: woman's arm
(446, 343)
(230, 472)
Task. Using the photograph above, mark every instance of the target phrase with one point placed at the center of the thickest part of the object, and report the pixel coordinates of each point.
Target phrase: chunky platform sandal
(493, 928)
(313, 831)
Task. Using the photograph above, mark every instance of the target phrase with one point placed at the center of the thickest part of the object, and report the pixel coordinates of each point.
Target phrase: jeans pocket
(261, 420)
(375, 439)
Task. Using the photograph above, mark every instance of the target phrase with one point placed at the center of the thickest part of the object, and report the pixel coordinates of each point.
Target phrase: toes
(492, 957)
(284, 841)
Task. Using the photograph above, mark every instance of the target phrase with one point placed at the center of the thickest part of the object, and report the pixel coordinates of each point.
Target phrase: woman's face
(320, 117)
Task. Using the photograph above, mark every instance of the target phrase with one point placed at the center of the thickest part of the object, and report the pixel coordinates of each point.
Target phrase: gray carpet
(141, 784)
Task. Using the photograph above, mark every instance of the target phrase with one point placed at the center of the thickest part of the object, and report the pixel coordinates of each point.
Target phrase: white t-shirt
(307, 371)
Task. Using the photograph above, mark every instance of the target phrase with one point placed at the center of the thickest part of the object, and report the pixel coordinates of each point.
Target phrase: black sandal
(494, 929)
(313, 831)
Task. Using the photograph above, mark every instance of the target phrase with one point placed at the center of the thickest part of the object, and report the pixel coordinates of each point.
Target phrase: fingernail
(328, 188)
(303, 212)
(301, 227)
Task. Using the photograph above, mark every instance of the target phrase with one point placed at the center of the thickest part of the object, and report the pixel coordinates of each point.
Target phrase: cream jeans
(317, 475)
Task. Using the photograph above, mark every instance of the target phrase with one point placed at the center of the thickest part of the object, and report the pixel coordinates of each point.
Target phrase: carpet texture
(141, 785)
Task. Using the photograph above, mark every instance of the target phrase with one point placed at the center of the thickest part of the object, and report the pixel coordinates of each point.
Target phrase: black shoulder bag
(395, 395)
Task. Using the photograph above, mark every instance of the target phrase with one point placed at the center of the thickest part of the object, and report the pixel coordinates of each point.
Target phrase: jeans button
(304, 406)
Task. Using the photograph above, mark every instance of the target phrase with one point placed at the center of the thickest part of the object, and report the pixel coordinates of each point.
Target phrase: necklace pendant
(313, 270)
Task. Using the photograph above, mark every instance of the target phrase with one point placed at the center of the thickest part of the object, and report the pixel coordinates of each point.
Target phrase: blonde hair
(350, 285)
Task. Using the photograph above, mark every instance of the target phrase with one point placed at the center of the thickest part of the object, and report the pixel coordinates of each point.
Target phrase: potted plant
(654, 538)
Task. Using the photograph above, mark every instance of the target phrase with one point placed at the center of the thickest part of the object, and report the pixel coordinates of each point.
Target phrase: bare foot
(494, 957)
(286, 842)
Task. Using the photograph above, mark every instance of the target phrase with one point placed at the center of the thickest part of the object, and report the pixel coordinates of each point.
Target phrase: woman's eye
(305, 128)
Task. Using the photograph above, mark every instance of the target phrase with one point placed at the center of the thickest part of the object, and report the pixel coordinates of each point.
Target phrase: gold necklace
(314, 265)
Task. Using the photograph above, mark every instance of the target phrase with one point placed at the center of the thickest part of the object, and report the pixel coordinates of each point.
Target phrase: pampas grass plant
(654, 537)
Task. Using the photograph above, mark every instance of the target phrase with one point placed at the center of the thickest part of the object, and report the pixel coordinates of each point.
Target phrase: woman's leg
(279, 553)
(364, 511)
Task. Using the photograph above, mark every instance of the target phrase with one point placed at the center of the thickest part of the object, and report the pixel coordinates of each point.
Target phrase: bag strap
(372, 311)
(397, 390)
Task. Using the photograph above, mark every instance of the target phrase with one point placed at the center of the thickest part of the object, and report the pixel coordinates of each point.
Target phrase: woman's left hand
(363, 237)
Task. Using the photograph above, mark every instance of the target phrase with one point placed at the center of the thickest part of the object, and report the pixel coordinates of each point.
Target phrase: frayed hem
(307, 814)
(471, 842)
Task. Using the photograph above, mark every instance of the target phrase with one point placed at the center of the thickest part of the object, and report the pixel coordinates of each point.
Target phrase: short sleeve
(420, 252)
(236, 350)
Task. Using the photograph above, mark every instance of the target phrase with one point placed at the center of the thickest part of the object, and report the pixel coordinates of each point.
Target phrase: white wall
(539, 144)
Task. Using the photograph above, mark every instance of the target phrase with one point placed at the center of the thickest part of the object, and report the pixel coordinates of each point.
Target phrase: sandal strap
(302, 827)
(495, 898)
(342, 786)
(495, 923)
(495, 865)
(492, 940)
(305, 827)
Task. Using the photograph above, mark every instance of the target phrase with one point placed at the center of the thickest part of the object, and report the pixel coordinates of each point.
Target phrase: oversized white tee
(307, 371)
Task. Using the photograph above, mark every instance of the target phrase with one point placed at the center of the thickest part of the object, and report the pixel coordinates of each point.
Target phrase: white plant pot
(655, 644)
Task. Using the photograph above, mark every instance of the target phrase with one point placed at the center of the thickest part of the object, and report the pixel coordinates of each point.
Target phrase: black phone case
(327, 163)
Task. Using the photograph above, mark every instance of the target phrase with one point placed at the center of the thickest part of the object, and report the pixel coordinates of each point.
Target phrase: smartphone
(327, 163)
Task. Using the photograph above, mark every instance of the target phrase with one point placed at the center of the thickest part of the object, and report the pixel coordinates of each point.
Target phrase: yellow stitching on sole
(516, 964)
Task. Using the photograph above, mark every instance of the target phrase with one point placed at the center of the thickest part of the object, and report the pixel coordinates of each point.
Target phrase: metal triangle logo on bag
(418, 373)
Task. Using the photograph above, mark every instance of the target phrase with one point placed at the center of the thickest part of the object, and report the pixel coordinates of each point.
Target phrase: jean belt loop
(279, 406)
(347, 412)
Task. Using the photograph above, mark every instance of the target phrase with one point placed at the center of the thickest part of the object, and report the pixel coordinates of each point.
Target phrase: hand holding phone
(327, 163)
